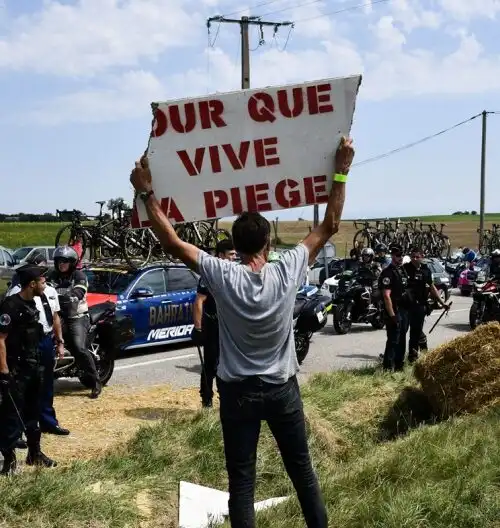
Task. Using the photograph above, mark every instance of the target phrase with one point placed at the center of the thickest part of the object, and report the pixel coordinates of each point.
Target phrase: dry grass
(464, 374)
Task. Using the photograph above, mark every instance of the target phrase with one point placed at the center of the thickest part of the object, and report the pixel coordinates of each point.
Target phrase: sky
(77, 78)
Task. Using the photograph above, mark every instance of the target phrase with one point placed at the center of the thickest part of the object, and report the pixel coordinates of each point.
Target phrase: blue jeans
(243, 405)
(48, 418)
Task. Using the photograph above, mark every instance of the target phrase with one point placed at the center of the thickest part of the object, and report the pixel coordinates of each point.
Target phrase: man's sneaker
(40, 459)
(207, 403)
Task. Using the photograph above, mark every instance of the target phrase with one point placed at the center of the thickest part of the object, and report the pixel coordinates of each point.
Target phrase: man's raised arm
(320, 235)
(142, 182)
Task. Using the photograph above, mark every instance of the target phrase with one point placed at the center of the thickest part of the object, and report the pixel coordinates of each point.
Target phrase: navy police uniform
(210, 330)
(21, 386)
(419, 284)
(395, 279)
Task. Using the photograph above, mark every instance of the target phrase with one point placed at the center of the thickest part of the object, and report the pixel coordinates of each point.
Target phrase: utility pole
(483, 178)
(245, 22)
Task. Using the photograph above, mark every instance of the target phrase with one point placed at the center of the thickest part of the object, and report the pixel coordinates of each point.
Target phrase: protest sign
(252, 150)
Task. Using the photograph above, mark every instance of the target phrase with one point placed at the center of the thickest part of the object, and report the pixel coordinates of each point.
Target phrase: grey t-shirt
(255, 311)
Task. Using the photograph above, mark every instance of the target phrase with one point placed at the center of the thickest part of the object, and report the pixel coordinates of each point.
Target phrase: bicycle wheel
(137, 247)
(361, 240)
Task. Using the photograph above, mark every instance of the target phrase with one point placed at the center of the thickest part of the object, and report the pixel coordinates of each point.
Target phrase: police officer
(206, 327)
(21, 371)
(71, 284)
(368, 273)
(392, 283)
(420, 284)
(51, 344)
(381, 255)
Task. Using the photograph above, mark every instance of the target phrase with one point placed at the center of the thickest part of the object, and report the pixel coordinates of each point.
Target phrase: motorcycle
(467, 279)
(486, 304)
(310, 315)
(108, 331)
(353, 304)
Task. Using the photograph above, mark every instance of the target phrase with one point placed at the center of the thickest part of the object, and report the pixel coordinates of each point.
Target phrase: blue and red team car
(159, 298)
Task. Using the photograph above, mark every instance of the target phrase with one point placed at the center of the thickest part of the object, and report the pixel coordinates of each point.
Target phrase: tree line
(64, 215)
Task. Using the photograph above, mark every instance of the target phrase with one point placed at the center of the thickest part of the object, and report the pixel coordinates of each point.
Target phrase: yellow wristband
(341, 178)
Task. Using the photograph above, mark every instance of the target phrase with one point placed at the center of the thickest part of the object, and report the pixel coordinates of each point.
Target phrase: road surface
(180, 366)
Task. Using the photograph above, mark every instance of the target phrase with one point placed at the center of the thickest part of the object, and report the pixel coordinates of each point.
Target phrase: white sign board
(252, 150)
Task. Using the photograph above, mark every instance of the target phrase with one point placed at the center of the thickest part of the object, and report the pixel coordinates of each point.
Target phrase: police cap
(30, 272)
(395, 249)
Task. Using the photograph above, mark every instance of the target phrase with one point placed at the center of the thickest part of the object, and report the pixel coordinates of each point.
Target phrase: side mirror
(142, 293)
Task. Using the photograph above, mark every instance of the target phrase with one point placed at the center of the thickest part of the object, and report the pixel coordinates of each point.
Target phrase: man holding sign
(257, 369)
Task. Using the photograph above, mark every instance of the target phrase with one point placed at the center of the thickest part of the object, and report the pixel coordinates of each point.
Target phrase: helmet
(36, 259)
(65, 253)
(396, 248)
(367, 252)
(380, 248)
(495, 253)
(465, 250)
(354, 253)
(273, 256)
(406, 259)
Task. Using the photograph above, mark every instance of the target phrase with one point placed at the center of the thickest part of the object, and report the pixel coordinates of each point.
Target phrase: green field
(462, 230)
(382, 460)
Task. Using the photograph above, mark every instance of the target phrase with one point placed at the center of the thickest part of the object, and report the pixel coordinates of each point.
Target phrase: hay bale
(463, 375)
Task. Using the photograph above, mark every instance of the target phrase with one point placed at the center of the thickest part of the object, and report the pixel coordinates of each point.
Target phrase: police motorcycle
(486, 303)
(310, 315)
(108, 332)
(355, 303)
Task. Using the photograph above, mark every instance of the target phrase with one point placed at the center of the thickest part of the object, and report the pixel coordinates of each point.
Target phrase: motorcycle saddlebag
(313, 315)
(118, 330)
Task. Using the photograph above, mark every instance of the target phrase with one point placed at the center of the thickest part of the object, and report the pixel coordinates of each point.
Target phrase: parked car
(441, 278)
(21, 254)
(159, 298)
(7, 264)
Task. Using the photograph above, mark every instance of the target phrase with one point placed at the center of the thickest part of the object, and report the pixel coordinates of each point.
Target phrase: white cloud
(94, 35)
(469, 9)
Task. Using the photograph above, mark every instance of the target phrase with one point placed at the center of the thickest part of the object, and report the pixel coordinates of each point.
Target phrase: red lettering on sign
(258, 197)
(236, 200)
(214, 200)
(215, 158)
(183, 118)
(284, 104)
(319, 104)
(263, 155)
(237, 162)
(261, 108)
(290, 198)
(193, 169)
(168, 206)
(315, 189)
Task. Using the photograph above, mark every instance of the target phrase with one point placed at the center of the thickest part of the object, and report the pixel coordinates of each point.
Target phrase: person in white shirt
(48, 306)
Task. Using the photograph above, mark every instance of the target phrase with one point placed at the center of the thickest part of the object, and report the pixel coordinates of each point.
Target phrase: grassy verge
(372, 475)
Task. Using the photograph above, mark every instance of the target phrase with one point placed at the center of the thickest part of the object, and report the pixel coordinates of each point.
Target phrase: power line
(415, 143)
(262, 4)
(352, 8)
(302, 4)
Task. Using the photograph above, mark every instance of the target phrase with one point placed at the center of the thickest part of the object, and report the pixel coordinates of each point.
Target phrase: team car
(159, 298)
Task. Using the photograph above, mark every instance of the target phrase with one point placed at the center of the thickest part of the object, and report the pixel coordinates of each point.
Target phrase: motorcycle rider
(420, 284)
(21, 371)
(368, 274)
(71, 285)
(206, 327)
(494, 271)
(381, 255)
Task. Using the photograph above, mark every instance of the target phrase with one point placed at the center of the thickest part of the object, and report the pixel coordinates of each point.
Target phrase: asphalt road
(180, 366)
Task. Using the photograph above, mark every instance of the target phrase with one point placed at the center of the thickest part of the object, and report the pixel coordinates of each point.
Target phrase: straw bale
(463, 375)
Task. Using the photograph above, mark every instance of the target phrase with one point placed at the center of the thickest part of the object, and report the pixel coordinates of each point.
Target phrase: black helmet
(465, 250)
(354, 253)
(495, 253)
(396, 248)
(380, 248)
(36, 259)
(66, 253)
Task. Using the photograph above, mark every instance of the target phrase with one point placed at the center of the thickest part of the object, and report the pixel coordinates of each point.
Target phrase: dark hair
(223, 246)
(251, 233)
(416, 249)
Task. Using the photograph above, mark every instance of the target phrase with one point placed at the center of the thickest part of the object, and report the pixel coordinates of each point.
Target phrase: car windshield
(21, 253)
(106, 281)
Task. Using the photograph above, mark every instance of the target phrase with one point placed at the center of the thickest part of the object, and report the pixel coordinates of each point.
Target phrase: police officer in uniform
(368, 274)
(206, 327)
(392, 283)
(420, 284)
(494, 269)
(21, 370)
(71, 284)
